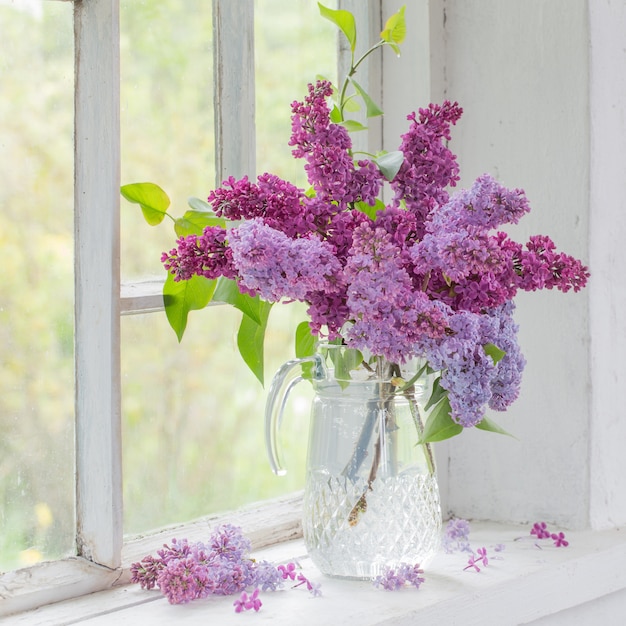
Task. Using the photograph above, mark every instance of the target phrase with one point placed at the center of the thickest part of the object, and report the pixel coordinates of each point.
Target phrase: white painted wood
(607, 294)
(525, 585)
(97, 312)
(51, 582)
(233, 57)
(145, 296)
(406, 78)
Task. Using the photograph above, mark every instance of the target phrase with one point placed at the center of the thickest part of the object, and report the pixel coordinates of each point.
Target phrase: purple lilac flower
(467, 370)
(184, 571)
(268, 577)
(277, 202)
(389, 314)
(475, 559)
(506, 382)
(458, 244)
(228, 542)
(541, 267)
(559, 540)
(245, 602)
(540, 530)
(394, 578)
(276, 266)
(456, 535)
(179, 580)
(146, 572)
(485, 205)
(429, 166)
(288, 571)
(326, 147)
(314, 588)
(205, 255)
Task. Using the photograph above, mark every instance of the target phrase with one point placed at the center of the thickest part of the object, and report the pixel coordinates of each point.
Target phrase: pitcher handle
(285, 379)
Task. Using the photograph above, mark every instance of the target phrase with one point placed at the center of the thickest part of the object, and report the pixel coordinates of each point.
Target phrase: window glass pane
(166, 116)
(36, 291)
(194, 417)
(193, 413)
(293, 45)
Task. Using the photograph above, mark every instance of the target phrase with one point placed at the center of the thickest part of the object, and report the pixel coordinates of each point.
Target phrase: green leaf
(436, 394)
(494, 352)
(305, 340)
(153, 201)
(394, 32)
(183, 296)
(335, 115)
(372, 109)
(439, 425)
(197, 204)
(228, 292)
(369, 210)
(352, 126)
(305, 346)
(409, 383)
(351, 105)
(344, 361)
(194, 222)
(390, 163)
(492, 427)
(344, 20)
(251, 340)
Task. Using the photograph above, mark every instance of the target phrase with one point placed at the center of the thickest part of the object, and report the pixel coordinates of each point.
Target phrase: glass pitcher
(371, 497)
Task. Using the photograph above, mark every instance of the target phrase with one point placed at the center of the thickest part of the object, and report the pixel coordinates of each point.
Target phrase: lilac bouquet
(420, 274)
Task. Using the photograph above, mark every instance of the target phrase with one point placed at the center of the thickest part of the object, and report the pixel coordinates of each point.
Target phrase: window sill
(526, 585)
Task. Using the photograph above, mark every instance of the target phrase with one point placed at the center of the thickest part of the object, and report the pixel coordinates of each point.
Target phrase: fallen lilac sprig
(395, 578)
(456, 538)
(186, 571)
(540, 530)
(474, 560)
(314, 588)
(288, 571)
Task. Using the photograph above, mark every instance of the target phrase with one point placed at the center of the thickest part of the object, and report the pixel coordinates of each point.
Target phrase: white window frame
(102, 559)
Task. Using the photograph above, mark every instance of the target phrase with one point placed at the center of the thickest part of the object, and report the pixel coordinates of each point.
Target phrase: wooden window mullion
(97, 284)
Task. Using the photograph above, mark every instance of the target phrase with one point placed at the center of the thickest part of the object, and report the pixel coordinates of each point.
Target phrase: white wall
(543, 86)
(608, 260)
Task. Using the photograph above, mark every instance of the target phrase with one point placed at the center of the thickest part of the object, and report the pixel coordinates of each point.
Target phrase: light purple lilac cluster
(456, 535)
(186, 571)
(428, 275)
(402, 575)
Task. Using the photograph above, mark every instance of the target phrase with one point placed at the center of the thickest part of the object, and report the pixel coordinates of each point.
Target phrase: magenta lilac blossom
(541, 531)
